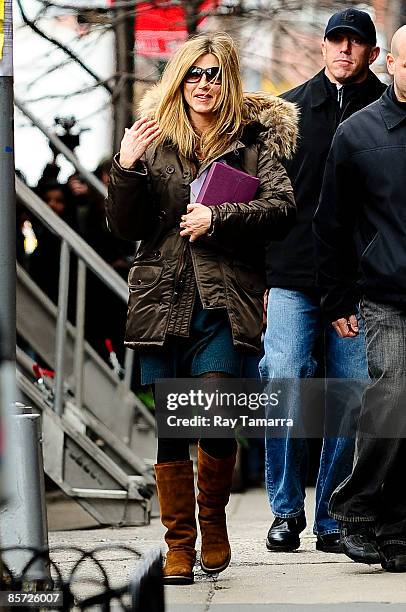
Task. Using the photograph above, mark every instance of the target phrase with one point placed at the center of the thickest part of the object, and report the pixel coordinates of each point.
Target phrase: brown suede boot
(214, 478)
(176, 494)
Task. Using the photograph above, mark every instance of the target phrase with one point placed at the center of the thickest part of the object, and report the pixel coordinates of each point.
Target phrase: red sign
(160, 27)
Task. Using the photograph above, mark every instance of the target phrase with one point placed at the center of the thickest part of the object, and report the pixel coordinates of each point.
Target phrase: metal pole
(23, 521)
(80, 332)
(23, 518)
(7, 195)
(88, 176)
(7, 254)
(61, 327)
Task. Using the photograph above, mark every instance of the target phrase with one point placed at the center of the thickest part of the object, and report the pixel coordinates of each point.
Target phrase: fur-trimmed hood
(277, 118)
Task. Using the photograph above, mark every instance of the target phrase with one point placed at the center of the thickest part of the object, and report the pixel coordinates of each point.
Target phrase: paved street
(255, 576)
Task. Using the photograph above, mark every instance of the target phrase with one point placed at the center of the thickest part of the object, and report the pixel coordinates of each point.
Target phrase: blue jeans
(294, 325)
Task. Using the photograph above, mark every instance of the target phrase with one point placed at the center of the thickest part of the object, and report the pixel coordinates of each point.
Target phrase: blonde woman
(196, 286)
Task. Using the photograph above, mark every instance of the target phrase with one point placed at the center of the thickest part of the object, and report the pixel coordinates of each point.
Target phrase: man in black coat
(360, 230)
(295, 324)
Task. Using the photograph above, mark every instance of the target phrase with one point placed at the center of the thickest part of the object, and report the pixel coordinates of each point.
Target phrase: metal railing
(88, 259)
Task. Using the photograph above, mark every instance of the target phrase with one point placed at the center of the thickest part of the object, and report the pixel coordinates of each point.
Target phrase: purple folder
(226, 184)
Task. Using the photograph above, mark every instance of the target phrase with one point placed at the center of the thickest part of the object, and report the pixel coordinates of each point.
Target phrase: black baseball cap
(355, 21)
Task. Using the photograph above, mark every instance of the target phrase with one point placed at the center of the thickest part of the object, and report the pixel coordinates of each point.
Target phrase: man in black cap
(344, 86)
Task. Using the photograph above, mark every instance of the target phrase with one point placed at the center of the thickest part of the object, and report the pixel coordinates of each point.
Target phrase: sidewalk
(271, 581)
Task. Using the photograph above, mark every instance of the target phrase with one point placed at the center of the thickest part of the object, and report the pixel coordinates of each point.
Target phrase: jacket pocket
(372, 263)
(369, 246)
(248, 279)
(143, 275)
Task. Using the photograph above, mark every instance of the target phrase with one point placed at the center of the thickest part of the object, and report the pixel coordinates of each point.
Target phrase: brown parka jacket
(147, 202)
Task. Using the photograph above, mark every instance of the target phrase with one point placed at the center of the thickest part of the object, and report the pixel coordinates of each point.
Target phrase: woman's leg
(220, 448)
(172, 449)
(176, 494)
(215, 466)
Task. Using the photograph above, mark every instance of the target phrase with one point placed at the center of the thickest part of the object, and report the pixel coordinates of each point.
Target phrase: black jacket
(360, 224)
(290, 263)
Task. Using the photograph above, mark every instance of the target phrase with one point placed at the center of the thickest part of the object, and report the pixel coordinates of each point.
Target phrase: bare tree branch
(122, 4)
(58, 44)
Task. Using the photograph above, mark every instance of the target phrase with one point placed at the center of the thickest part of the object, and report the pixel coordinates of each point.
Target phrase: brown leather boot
(176, 494)
(214, 478)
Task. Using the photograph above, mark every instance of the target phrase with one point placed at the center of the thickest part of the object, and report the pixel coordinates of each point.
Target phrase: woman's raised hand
(136, 140)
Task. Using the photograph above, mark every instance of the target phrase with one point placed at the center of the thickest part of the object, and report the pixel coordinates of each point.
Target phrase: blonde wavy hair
(171, 112)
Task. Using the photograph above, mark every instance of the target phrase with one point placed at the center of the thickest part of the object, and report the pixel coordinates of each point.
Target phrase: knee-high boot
(214, 484)
(176, 494)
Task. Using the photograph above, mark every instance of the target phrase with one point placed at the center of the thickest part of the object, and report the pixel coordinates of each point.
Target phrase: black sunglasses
(194, 74)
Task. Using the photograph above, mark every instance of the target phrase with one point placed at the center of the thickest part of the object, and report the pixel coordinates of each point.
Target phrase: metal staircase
(99, 439)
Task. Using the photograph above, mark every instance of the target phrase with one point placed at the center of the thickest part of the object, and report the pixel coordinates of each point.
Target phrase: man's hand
(196, 222)
(136, 140)
(346, 327)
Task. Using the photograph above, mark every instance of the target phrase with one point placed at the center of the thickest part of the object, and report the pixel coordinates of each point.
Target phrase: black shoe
(283, 535)
(393, 557)
(329, 543)
(358, 541)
